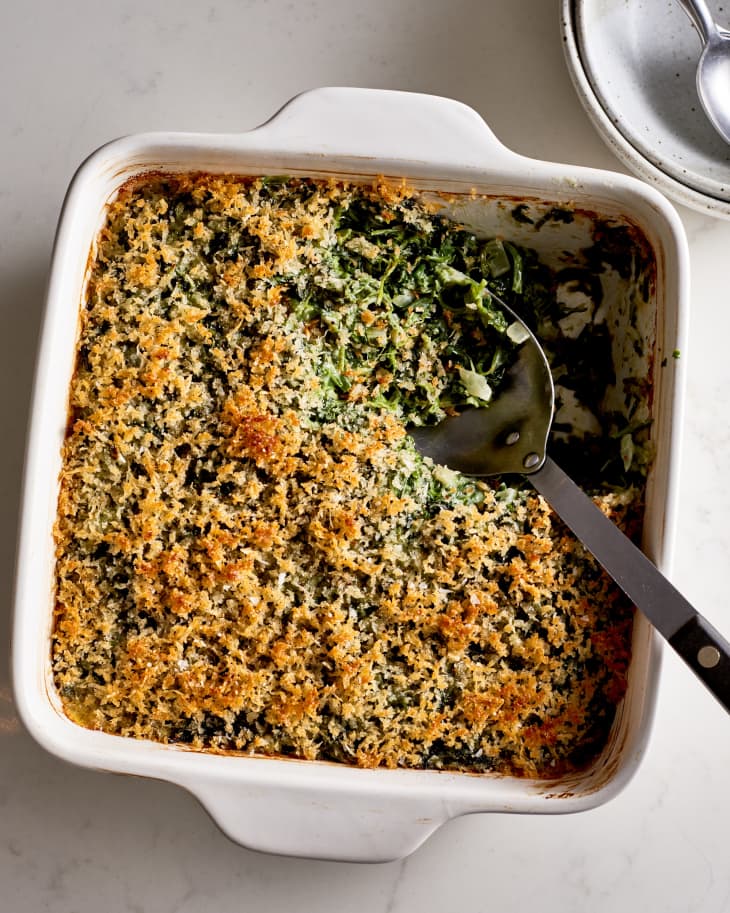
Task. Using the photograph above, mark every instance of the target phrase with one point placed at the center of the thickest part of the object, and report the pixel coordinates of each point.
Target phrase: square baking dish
(439, 146)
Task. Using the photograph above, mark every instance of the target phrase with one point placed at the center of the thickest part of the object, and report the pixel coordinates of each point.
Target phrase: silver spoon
(713, 70)
(510, 436)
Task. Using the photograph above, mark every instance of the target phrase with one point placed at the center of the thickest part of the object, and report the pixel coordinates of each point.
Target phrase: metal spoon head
(509, 435)
(713, 82)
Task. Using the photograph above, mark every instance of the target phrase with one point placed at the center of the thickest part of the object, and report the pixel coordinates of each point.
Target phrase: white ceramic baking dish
(311, 808)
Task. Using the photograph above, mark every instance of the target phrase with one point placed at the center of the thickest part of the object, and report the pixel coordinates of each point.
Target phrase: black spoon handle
(703, 648)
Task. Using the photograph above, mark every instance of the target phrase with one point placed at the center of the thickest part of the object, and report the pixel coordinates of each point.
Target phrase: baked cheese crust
(252, 557)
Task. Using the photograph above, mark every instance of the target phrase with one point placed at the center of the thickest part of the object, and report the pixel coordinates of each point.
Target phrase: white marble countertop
(78, 73)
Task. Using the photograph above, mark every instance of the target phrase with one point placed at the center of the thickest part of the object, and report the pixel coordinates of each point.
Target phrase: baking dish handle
(388, 125)
(319, 821)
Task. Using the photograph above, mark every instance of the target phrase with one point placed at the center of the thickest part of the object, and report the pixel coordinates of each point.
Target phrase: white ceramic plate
(634, 64)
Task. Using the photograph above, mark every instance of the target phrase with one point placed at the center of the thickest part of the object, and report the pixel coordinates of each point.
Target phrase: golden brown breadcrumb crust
(234, 576)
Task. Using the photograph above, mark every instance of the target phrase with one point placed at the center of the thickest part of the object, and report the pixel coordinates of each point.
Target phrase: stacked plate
(633, 65)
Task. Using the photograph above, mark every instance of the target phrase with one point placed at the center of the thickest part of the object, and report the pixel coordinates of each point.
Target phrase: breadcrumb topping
(251, 555)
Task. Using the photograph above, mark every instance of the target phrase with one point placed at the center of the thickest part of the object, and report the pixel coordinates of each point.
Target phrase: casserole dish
(312, 808)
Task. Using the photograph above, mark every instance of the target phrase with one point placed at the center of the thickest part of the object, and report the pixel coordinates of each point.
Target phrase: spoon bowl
(713, 70)
(511, 435)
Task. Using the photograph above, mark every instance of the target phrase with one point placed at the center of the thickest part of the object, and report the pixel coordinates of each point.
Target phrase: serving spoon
(713, 70)
(510, 436)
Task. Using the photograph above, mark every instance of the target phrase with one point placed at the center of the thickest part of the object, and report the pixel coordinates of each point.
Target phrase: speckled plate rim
(614, 138)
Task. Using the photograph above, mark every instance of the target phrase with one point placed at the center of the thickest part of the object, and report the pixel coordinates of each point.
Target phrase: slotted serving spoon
(510, 436)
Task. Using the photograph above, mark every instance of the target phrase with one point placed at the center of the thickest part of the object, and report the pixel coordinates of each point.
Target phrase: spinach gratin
(251, 556)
